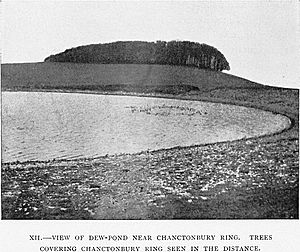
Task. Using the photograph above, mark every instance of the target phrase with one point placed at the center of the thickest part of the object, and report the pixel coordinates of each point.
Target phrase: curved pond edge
(154, 95)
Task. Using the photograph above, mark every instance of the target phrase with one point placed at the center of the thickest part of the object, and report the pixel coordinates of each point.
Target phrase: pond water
(44, 126)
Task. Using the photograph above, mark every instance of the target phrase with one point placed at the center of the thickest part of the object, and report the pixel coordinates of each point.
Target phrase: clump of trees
(183, 53)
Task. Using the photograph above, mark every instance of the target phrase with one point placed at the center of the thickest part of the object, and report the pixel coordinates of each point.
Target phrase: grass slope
(95, 76)
(254, 178)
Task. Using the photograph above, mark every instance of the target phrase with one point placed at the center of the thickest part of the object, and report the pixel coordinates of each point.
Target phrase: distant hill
(182, 53)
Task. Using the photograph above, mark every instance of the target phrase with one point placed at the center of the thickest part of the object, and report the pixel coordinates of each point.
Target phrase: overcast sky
(259, 39)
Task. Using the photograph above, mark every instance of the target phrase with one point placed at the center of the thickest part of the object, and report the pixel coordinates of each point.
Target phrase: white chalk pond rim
(50, 125)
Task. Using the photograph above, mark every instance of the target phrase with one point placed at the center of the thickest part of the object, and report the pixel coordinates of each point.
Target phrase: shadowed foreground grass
(254, 178)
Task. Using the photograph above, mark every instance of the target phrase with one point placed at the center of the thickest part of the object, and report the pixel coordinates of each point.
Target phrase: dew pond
(44, 126)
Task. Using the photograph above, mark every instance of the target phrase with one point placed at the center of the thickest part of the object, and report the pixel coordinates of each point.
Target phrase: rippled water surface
(43, 126)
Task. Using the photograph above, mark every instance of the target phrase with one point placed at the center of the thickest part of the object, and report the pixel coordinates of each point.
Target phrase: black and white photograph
(149, 110)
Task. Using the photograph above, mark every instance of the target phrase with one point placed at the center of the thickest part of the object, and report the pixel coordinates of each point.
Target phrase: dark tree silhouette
(183, 53)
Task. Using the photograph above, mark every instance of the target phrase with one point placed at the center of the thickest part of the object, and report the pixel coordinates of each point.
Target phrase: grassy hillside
(95, 76)
(247, 179)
